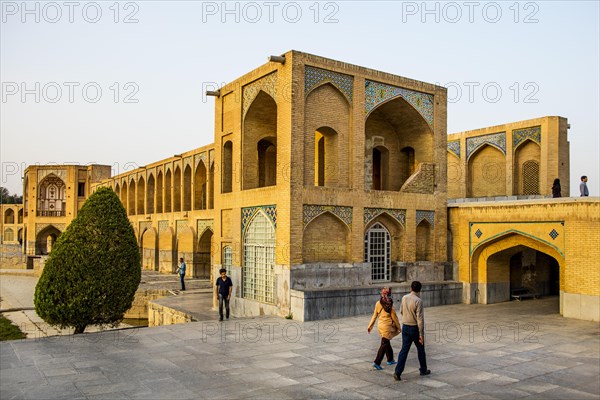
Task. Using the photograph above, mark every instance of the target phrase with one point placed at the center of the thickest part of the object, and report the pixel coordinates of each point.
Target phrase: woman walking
(388, 327)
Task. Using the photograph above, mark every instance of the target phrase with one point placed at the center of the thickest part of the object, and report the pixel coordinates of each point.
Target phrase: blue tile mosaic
(425, 215)
(311, 211)
(498, 140)
(454, 147)
(314, 77)
(397, 214)
(521, 135)
(248, 214)
(377, 93)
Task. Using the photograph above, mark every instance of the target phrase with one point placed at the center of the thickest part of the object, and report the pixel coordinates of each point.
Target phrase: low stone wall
(140, 307)
(330, 275)
(11, 257)
(159, 314)
(312, 305)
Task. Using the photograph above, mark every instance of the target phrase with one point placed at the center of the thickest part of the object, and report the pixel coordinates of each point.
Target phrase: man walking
(224, 287)
(413, 326)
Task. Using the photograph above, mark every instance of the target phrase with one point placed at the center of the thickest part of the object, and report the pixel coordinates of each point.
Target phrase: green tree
(93, 271)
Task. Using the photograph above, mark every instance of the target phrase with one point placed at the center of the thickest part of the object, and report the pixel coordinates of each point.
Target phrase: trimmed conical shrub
(93, 270)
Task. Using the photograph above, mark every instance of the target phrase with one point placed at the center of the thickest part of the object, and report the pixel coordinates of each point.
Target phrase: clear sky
(122, 83)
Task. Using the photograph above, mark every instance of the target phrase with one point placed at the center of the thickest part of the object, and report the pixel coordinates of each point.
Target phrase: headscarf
(386, 299)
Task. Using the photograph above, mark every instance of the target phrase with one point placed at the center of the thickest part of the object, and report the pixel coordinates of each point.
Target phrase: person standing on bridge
(583, 189)
(556, 188)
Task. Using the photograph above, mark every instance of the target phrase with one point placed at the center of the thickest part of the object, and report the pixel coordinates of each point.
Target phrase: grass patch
(8, 331)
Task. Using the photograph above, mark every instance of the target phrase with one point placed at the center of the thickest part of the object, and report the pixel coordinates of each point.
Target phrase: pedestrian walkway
(522, 350)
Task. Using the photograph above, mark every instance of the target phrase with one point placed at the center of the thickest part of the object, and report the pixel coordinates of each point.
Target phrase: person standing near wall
(181, 271)
(556, 188)
(583, 189)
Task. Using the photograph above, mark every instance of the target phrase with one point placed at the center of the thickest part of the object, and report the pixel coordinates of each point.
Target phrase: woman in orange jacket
(388, 327)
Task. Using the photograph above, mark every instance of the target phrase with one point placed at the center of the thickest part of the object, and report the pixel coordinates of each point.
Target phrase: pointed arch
(259, 259)
(327, 137)
(227, 162)
(187, 188)
(203, 256)
(131, 197)
(486, 172)
(51, 197)
(141, 196)
(45, 239)
(395, 124)
(177, 189)
(378, 243)
(150, 193)
(159, 192)
(490, 263)
(260, 124)
(424, 238)
(9, 216)
(168, 191)
(335, 249)
(526, 171)
(200, 183)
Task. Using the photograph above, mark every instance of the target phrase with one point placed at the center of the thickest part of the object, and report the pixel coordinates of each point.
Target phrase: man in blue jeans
(413, 326)
(224, 287)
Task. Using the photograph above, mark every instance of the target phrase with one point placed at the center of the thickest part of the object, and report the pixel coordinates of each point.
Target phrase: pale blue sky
(175, 48)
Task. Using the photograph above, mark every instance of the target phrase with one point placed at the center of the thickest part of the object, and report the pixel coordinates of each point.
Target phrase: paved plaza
(502, 351)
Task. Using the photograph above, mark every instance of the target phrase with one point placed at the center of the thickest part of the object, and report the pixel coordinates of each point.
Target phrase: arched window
(531, 178)
(227, 259)
(9, 235)
(259, 259)
(378, 252)
(227, 156)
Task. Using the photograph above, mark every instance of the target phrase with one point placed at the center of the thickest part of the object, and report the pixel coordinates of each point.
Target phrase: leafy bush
(93, 271)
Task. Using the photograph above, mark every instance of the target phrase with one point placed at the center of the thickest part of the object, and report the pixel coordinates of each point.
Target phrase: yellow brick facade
(313, 162)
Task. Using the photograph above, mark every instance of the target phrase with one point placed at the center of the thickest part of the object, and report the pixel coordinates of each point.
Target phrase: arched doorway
(259, 259)
(512, 262)
(378, 252)
(45, 240)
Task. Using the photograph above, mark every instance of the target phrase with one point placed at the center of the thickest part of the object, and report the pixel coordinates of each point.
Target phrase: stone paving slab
(501, 351)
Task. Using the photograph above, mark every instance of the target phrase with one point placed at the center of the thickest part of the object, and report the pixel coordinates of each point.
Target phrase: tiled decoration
(40, 227)
(311, 211)
(162, 226)
(180, 225)
(200, 157)
(425, 215)
(478, 233)
(497, 140)
(42, 173)
(204, 224)
(248, 214)
(521, 135)
(145, 225)
(314, 77)
(377, 93)
(553, 234)
(267, 84)
(397, 214)
(454, 147)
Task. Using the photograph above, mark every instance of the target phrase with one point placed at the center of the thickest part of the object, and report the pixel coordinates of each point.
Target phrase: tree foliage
(7, 198)
(93, 271)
